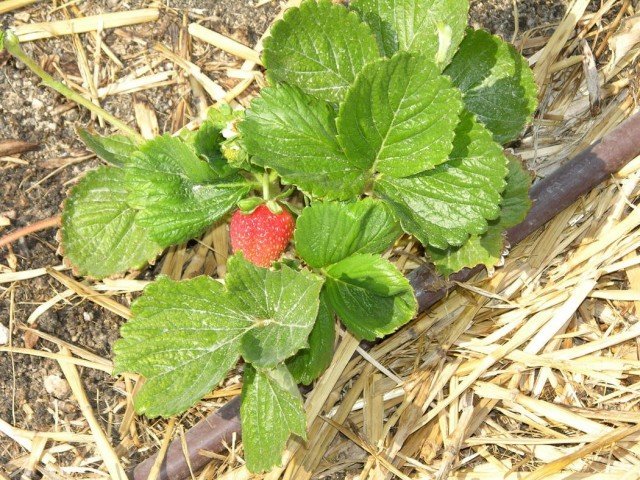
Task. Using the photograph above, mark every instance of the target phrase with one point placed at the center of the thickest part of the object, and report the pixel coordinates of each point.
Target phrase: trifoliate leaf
(183, 337)
(497, 83)
(101, 234)
(487, 248)
(370, 295)
(115, 149)
(319, 47)
(433, 28)
(271, 411)
(329, 232)
(283, 305)
(309, 363)
(178, 194)
(399, 116)
(295, 134)
(444, 206)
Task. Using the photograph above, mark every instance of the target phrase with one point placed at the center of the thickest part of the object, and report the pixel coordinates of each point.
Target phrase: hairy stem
(12, 45)
(266, 186)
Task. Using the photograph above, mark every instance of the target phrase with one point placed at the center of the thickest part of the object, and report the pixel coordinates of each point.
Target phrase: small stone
(37, 104)
(71, 115)
(56, 386)
(68, 407)
(4, 335)
(22, 16)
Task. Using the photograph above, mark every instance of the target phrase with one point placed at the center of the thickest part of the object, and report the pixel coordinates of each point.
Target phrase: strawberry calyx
(248, 205)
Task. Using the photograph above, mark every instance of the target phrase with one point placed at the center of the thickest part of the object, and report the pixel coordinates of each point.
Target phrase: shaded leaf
(178, 194)
(496, 82)
(487, 248)
(446, 205)
(115, 149)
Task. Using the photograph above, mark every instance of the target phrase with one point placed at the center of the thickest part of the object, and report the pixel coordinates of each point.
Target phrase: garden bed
(542, 278)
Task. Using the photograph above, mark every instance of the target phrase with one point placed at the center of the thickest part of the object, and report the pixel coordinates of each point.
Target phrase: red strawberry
(261, 235)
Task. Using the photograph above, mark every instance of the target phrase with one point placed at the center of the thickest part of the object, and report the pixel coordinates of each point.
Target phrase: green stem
(12, 44)
(266, 186)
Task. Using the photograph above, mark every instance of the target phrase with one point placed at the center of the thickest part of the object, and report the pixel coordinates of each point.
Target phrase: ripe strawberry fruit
(261, 235)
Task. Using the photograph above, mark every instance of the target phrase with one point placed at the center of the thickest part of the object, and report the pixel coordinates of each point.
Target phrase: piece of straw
(38, 31)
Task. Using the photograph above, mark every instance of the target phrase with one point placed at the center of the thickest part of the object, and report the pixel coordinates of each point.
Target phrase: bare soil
(35, 190)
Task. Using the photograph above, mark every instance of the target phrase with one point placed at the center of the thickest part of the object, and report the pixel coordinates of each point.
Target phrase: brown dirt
(33, 113)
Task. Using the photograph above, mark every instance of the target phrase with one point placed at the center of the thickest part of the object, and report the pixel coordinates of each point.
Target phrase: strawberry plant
(381, 119)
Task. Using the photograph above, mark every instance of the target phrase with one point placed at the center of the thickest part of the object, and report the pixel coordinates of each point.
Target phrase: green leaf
(183, 337)
(433, 28)
(370, 295)
(309, 363)
(295, 134)
(206, 143)
(443, 206)
(207, 139)
(283, 305)
(115, 149)
(319, 47)
(101, 234)
(515, 198)
(329, 232)
(235, 153)
(271, 411)
(386, 36)
(223, 115)
(170, 155)
(497, 84)
(399, 116)
(487, 248)
(178, 194)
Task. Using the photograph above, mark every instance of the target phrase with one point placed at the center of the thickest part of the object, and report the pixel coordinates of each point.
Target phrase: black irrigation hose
(550, 196)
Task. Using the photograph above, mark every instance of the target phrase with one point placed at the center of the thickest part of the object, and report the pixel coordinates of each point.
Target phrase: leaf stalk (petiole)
(266, 186)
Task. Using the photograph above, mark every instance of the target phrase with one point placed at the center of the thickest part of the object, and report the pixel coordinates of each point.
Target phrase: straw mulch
(529, 373)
